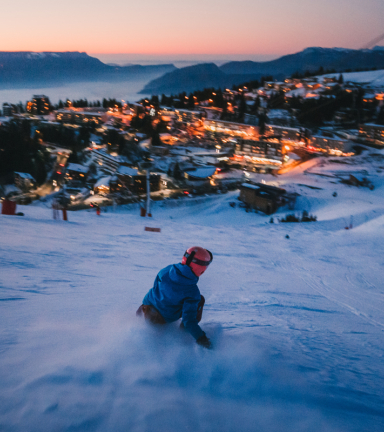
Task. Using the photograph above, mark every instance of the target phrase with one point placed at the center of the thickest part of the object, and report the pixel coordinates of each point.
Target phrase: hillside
(311, 59)
(375, 78)
(297, 323)
(237, 72)
(21, 69)
(193, 78)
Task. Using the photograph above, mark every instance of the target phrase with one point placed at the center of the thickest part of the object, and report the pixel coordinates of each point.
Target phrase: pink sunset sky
(169, 28)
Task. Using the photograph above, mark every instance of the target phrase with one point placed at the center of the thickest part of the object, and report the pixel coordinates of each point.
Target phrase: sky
(170, 29)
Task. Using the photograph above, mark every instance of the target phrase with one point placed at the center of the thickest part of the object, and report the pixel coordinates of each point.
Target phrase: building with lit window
(107, 163)
(24, 181)
(81, 117)
(39, 105)
(372, 134)
(330, 145)
(260, 155)
(229, 129)
(190, 118)
(286, 134)
(76, 172)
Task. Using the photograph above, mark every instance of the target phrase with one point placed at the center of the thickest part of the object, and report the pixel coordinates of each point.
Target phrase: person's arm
(189, 316)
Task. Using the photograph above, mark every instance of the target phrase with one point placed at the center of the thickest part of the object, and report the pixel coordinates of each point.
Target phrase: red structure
(8, 207)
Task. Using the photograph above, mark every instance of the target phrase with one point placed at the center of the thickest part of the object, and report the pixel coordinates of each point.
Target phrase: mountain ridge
(236, 72)
(25, 68)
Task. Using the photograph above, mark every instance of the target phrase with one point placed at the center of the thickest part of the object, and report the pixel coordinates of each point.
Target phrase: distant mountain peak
(316, 50)
(310, 59)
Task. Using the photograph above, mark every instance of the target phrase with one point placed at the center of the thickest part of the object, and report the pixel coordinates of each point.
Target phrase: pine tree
(380, 117)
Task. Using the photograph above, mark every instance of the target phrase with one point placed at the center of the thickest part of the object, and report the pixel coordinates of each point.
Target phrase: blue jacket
(175, 295)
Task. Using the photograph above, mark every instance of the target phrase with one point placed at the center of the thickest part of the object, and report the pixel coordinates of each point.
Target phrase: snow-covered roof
(9, 189)
(77, 167)
(250, 186)
(104, 181)
(201, 173)
(284, 128)
(123, 170)
(25, 175)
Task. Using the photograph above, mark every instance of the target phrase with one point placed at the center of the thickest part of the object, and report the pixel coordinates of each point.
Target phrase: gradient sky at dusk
(174, 27)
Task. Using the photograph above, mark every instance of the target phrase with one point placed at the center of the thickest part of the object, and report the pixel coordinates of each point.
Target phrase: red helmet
(198, 259)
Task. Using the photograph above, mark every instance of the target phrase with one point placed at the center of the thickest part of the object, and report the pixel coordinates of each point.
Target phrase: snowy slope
(297, 323)
(373, 77)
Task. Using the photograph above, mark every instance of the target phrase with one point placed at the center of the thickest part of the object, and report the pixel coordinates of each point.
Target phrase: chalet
(102, 186)
(199, 176)
(24, 181)
(264, 198)
(268, 85)
(127, 178)
(139, 185)
(77, 172)
(126, 174)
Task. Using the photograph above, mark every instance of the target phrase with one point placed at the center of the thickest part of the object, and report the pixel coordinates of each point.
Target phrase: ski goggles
(191, 259)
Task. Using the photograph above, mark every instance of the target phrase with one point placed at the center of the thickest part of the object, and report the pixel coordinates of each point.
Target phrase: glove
(204, 342)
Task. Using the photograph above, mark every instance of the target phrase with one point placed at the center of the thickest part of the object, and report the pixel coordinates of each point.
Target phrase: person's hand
(204, 342)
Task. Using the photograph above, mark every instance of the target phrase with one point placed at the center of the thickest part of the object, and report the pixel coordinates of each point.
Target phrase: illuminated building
(76, 172)
(265, 198)
(24, 181)
(373, 134)
(261, 155)
(286, 134)
(80, 117)
(229, 129)
(39, 105)
(190, 118)
(106, 162)
(330, 145)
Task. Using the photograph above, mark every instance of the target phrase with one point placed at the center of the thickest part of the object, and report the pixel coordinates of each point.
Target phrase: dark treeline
(84, 103)
(20, 152)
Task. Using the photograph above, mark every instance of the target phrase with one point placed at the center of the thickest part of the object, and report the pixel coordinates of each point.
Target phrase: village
(114, 153)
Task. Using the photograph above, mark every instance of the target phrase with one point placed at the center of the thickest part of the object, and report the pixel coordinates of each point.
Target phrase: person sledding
(175, 294)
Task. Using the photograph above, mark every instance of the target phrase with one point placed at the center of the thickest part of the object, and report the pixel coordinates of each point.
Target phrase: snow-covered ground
(297, 323)
(373, 77)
